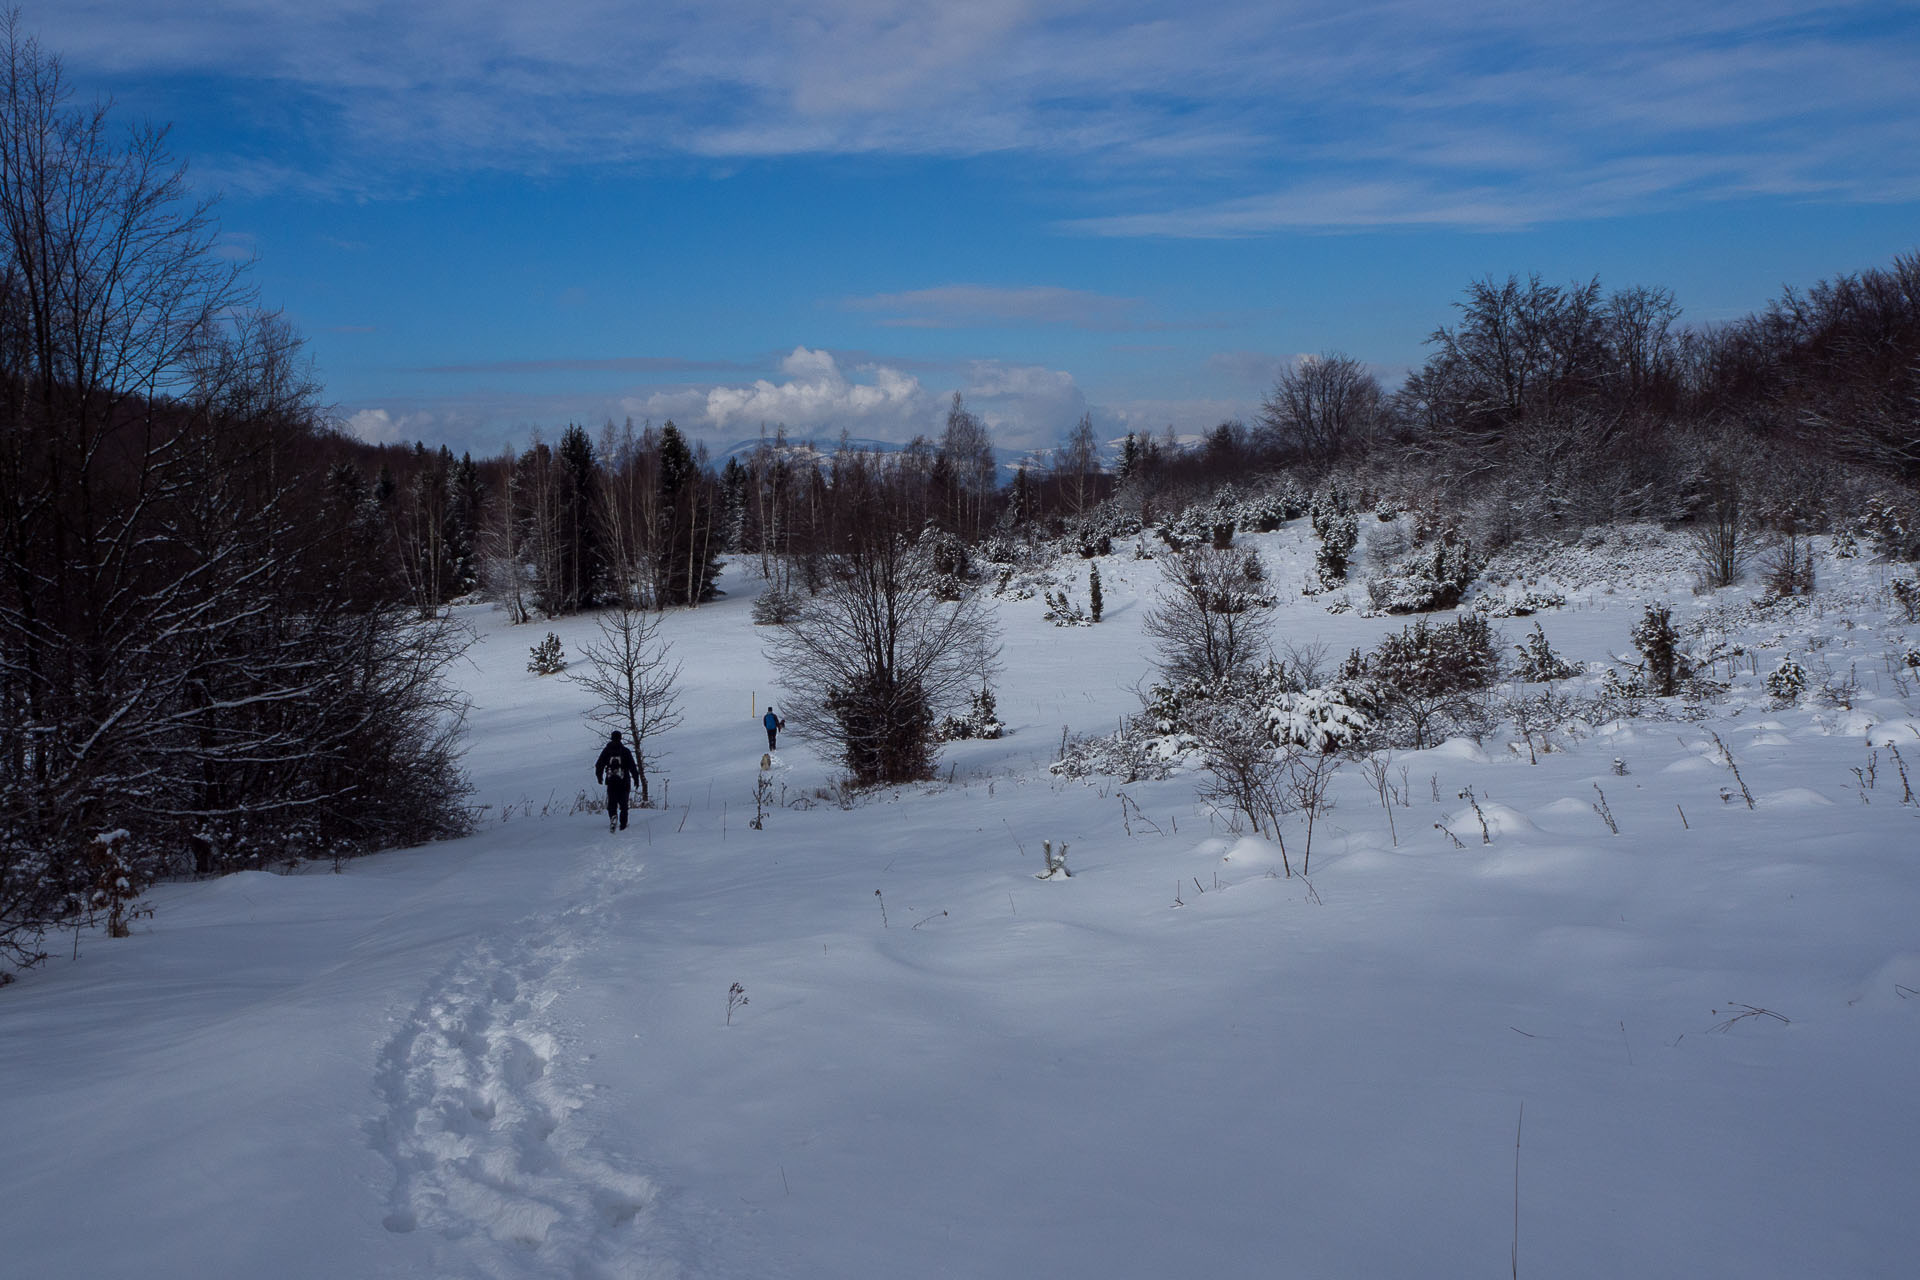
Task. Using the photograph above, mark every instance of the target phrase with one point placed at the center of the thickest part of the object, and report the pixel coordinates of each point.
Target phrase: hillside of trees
(204, 663)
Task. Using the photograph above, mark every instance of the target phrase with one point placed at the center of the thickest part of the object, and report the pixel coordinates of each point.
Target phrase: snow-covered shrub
(1622, 696)
(1064, 612)
(1128, 755)
(1659, 644)
(1893, 522)
(1906, 597)
(547, 658)
(998, 548)
(1457, 654)
(1524, 605)
(1912, 656)
(775, 607)
(1427, 681)
(1538, 663)
(1094, 531)
(1434, 577)
(117, 882)
(1317, 719)
(1790, 571)
(1216, 520)
(1339, 532)
(1197, 525)
(950, 561)
(1338, 536)
(1268, 511)
(1096, 603)
(1787, 681)
(980, 720)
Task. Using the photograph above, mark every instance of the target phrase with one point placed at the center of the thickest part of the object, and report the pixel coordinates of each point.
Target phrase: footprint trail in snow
(479, 1120)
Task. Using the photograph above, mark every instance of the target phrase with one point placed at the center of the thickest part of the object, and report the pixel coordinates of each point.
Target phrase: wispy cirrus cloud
(1238, 118)
(572, 364)
(960, 306)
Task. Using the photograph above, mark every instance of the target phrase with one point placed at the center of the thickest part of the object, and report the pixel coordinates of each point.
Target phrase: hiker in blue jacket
(774, 725)
(616, 767)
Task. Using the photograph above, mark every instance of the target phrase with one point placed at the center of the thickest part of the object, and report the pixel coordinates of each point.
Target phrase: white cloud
(818, 396)
(384, 426)
(375, 426)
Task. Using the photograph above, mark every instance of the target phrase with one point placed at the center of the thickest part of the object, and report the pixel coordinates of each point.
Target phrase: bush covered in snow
(1433, 577)
(1427, 682)
(1906, 597)
(775, 607)
(1338, 529)
(547, 658)
(1664, 664)
(1094, 531)
(1787, 681)
(1538, 663)
(1521, 604)
(1215, 520)
(981, 719)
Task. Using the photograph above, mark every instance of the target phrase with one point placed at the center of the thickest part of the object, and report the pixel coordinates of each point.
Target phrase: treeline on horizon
(1541, 410)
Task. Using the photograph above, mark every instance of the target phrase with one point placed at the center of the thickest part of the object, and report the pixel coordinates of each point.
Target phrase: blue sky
(494, 215)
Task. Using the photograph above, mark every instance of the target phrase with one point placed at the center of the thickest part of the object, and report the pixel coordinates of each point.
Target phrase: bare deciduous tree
(872, 660)
(1320, 407)
(1719, 536)
(631, 671)
(1076, 465)
(1211, 616)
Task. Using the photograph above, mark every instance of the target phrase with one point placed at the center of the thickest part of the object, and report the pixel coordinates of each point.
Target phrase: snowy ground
(511, 1055)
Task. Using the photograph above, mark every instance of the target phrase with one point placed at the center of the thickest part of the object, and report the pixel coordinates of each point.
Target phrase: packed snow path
(480, 1093)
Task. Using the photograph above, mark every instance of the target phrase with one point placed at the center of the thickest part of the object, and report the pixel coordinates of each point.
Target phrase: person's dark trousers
(770, 734)
(617, 803)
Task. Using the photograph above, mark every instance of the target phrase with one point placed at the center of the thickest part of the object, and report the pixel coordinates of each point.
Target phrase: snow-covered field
(513, 1055)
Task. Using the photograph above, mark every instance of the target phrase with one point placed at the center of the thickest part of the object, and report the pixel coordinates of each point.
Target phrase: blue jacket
(770, 720)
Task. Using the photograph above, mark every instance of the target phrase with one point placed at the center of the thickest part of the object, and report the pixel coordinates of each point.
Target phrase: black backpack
(617, 772)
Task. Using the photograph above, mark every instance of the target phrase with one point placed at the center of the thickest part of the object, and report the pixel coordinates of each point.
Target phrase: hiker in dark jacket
(774, 725)
(617, 769)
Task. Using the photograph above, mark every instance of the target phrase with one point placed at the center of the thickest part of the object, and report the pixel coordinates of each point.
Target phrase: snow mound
(1794, 798)
(1904, 731)
(1502, 820)
(1457, 750)
(1895, 984)
(1252, 849)
(1568, 805)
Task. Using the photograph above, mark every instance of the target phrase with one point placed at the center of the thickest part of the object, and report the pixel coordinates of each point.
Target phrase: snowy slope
(511, 1055)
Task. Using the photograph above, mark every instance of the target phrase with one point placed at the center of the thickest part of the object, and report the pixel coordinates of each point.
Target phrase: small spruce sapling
(1094, 602)
(1538, 662)
(547, 657)
(1787, 682)
(1659, 644)
(117, 885)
